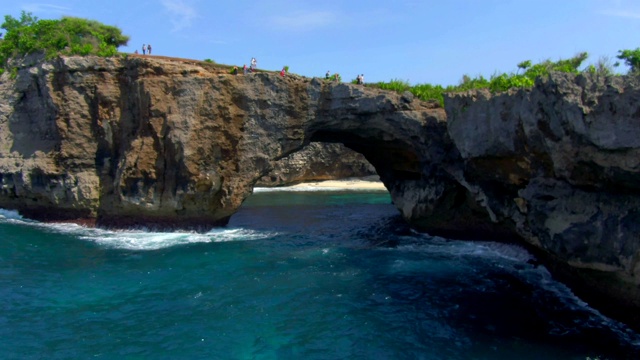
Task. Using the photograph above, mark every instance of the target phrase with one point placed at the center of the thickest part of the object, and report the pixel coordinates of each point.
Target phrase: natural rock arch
(156, 142)
(318, 161)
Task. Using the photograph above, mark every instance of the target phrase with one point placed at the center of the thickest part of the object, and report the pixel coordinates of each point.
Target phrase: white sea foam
(505, 251)
(134, 240)
(543, 278)
(538, 275)
(10, 214)
(137, 239)
(480, 249)
(141, 240)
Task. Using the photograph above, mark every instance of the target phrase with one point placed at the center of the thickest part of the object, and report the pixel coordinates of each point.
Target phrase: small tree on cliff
(524, 65)
(67, 36)
(631, 58)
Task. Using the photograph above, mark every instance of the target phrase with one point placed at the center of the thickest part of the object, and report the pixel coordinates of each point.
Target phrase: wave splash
(10, 215)
(142, 240)
(137, 239)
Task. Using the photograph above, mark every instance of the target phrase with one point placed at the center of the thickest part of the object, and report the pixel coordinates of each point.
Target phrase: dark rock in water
(165, 142)
(559, 164)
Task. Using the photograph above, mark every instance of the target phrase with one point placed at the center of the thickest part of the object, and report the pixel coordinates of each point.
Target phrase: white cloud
(623, 13)
(304, 20)
(45, 8)
(619, 8)
(181, 13)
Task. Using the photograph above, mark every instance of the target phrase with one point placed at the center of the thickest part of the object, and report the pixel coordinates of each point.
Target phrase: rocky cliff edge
(152, 142)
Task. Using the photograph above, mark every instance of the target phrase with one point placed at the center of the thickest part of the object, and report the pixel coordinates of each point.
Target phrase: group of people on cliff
(245, 69)
(335, 76)
(146, 49)
(252, 67)
(284, 71)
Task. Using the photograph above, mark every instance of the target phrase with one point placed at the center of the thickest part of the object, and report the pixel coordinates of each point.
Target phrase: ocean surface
(295, 275)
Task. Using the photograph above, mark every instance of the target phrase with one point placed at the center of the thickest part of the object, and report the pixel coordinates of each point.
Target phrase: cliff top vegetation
(76, 36)
(524, 77)
(67, 36)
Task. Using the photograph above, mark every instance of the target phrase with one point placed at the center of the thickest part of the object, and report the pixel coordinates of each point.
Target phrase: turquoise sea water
(295, 275)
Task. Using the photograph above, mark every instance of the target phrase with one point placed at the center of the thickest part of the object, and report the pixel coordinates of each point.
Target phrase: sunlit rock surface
(145, 141)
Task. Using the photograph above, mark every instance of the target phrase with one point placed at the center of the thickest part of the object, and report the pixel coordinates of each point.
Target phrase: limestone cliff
(560, 164)
(317, 162)
(154, 142)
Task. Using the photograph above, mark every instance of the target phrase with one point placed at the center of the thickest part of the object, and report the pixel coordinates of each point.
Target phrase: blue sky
(419, 41)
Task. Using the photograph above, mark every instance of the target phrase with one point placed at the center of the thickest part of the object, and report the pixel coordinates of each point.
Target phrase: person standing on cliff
(254, 64)
(144, 49)
(327, 75)
(149, 49)
(244, 69)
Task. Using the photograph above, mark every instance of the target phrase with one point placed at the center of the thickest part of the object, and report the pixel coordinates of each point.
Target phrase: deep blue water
(295, 275)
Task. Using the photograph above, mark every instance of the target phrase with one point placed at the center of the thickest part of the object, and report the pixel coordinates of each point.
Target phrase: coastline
(350, 184)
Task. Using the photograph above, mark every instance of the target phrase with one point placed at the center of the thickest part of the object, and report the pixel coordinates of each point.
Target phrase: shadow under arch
(421, 177)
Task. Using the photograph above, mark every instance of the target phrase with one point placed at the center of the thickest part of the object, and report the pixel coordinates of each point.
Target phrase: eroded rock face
(317, 162)
(153, 142)
(560, 165)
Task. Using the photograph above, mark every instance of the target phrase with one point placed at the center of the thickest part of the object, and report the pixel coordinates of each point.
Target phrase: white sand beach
(370, 183)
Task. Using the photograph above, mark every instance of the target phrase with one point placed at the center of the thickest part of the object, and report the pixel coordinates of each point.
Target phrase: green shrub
(468, 83)
(497, 82)
(395, 85)
(67, 36)
(428, 92)
(631, 58)
(603, 66)
(209, 61)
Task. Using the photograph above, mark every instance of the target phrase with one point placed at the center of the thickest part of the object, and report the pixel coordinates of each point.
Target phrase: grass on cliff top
(67, 36)
(524, 77)
(76, 36)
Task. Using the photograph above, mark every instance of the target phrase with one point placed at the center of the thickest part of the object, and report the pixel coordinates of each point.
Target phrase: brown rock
(151, 141)
(318, 162)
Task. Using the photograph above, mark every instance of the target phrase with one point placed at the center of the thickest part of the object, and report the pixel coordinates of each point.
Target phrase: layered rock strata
(161, 143)
(560, 165)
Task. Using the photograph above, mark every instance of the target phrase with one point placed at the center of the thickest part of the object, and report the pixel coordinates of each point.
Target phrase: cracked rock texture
(560, 165)
(145, 141)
